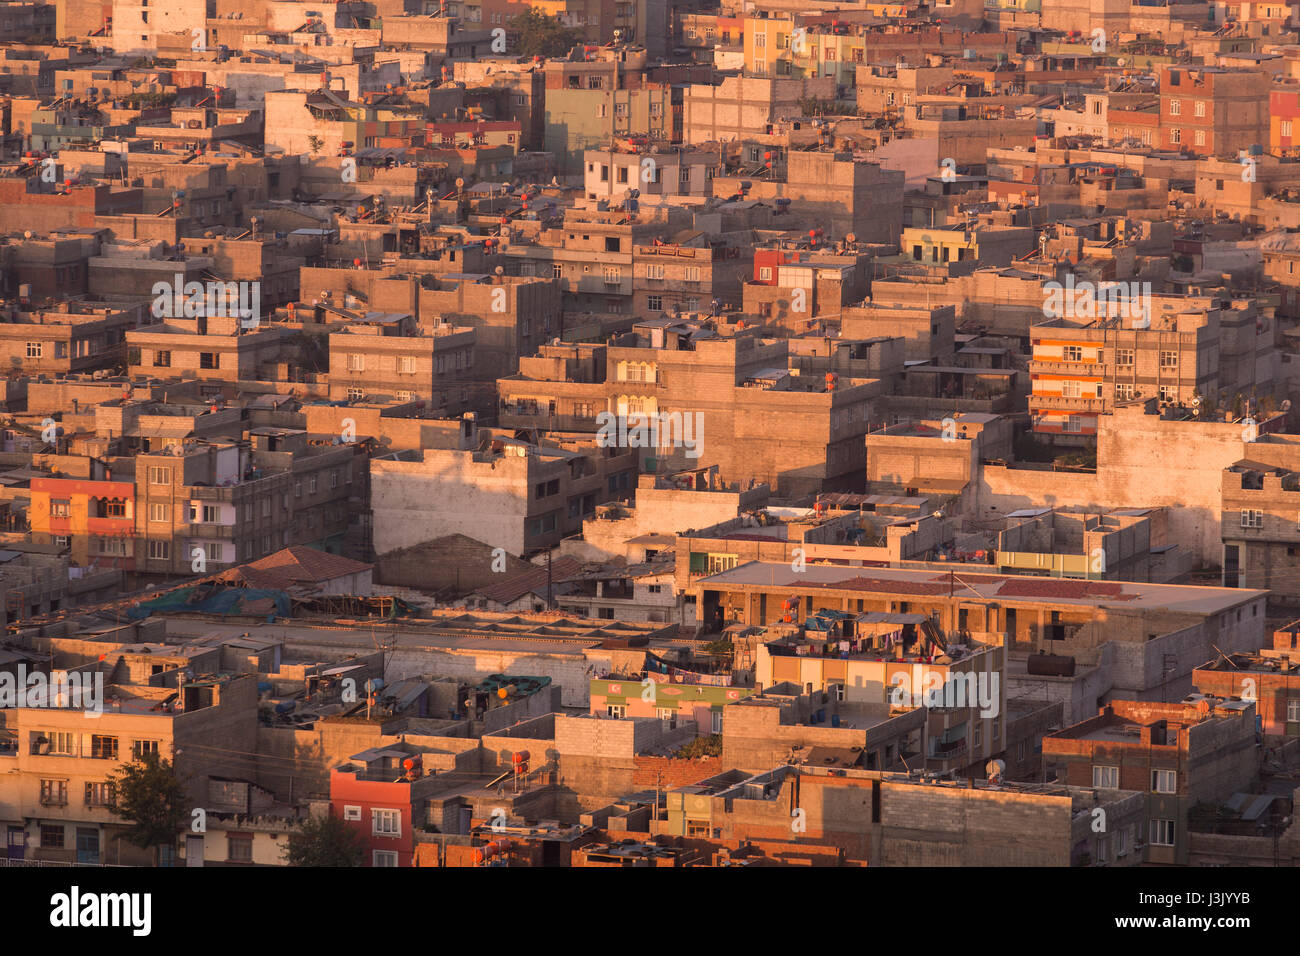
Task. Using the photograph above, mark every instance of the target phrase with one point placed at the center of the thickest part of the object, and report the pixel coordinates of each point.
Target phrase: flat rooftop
(1188, 599)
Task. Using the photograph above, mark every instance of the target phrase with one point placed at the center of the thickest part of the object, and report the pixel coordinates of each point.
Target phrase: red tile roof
(291, 567)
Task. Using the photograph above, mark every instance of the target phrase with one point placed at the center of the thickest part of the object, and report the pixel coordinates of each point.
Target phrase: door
(17, 843)
(193, 850)
(87, 845)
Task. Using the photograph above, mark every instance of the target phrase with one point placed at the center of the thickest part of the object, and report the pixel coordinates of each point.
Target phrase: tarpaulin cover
(209, 600)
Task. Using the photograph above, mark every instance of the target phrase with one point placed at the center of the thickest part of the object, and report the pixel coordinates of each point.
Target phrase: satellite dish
(1286, 405)
(460, 183)
(851, 237)
(1196, 401)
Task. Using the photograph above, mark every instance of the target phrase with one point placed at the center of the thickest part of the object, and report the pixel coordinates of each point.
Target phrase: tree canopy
(325, 841)
(534, 33)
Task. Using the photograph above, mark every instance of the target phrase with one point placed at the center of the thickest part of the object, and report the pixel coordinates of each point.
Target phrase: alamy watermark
(1102, 300)
(62, 689)
(193, 299)
(931, 688)
(641, 430)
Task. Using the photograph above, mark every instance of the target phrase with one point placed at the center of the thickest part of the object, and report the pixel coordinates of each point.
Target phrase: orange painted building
(96, 519)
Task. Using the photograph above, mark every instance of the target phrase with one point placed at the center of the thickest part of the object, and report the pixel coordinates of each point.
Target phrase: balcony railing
(1067, 404)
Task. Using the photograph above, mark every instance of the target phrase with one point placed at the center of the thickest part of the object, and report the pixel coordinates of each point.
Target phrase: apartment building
(215, 348)
(760, 421)
(56, 809)
(509, 494)
(204, 506)
(893, 662)
(94, 519)
(1212, 111)
(512, 315)
(1081, 369)
(1180, 625)
(1269, 677)
(656, 170)
(1201, 750)
(70, 338)
(389, 356)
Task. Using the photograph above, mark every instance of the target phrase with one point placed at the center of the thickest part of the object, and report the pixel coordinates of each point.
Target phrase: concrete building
(1199, 751)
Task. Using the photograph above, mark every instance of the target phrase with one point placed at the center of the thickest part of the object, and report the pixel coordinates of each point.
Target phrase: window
(115, 547)
(1124, 357)
(114, 509)
(1069, 389)
(616, 710)
(613, 275)
(160, 475)
(352, 813)
(51, 833)
(1175, 107)
(209, 360)
(1105, 778)
(684, 175)
(1073, 423)
(717, 721)
(1176, 136)
(1168, 393)
(239, 847)
(1072, 353)
(1124, 391)
(1199, 109)
(311, 484)
(33, 349)
(669, 716)
(1252, 518)
(1162, 832)
(160, 512)
(57, 743)
(1164, 781)
(160, 550)
(1199, 138)
(60, 507)
(54, 793)
(162, 358)
(621, 173)
(211, 514)
(334, 478)
(356, 363)
(1286, 127)
(99, 794)
(103, 747)
(142, 748)
(384, 858)
(1168, 359)
(691, 274)
(654, 271)
(655, 303)
(406, 364)
(386, 822)
(215, 551)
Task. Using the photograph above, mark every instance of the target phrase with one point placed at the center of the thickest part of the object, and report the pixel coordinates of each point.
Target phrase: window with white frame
(384, 858)
(1252, 518)
(1105, 778)
(1164, 781)
(1293, 709)
(356, 362)
(386, 822)
(669, 716)
(616, 710)
(1162, 832)
(406, 364)
(352, 813)
(717, 721)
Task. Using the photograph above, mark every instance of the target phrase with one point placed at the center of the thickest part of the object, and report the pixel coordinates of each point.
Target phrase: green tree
(324, 841)
(533, 33)
(149, 795)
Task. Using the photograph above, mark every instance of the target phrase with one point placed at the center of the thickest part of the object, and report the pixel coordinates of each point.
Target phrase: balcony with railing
(1067, 404)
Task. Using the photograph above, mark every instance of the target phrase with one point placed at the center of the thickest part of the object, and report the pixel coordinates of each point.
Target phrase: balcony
(1067, 404)
(54, 800)
(947, 751)
(220, 532)
(1080, 367)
